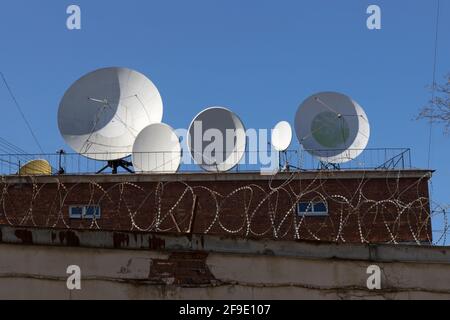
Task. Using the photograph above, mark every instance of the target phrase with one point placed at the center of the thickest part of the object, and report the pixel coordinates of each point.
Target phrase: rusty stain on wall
(182, 268)
(25, 236)
(69, 238)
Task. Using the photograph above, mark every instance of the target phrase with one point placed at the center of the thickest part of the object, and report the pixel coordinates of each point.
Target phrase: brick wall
(382, 208)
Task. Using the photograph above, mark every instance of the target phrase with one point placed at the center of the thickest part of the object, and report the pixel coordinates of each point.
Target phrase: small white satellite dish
(217, 139)
(332, 127)
(282, 136)
(157, 149)
(101, 114)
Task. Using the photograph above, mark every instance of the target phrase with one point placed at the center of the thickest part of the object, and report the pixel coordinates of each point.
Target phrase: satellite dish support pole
(60, 168)
(115, 165)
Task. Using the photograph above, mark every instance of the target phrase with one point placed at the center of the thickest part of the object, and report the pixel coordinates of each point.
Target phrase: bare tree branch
(438, 108)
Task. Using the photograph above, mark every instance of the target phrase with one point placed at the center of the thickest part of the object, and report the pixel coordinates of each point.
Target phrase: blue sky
(261, 58)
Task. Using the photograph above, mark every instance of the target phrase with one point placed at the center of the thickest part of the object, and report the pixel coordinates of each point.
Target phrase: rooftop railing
(164, 162)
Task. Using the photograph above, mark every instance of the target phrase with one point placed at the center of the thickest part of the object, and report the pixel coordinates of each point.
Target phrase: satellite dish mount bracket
(115, 165)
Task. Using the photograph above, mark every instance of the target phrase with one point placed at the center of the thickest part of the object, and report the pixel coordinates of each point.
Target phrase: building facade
(374, 206)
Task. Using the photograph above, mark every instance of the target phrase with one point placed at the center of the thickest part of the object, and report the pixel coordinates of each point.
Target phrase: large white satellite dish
(217, 139)
(282, 136)
(157, 149)
(332, 127)
(101, 114)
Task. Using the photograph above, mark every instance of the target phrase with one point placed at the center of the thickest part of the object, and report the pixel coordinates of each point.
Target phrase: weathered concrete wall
(208, 267)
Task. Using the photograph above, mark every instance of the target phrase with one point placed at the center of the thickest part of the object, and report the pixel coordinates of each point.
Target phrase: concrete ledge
(227, 245)
(255, 176)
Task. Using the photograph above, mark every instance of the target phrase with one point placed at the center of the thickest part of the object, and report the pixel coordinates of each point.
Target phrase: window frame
(84, 216)
(312, 211)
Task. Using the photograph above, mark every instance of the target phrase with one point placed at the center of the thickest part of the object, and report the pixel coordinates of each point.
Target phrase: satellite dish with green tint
(329, 132)
(332, 127)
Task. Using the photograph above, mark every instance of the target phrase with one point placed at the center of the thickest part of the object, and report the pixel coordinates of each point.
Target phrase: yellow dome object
(36, 168)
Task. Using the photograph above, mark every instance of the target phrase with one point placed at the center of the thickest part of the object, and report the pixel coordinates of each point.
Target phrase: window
(91, 212)
(312, 208)
(84, 212)
(305, 207)
(76, 212)
(320, 208)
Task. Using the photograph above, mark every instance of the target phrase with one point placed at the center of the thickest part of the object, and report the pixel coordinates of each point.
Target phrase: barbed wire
(357, 212)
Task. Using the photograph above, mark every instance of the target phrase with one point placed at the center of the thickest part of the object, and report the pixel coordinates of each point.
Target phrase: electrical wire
(21, 112)
(12, 148)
